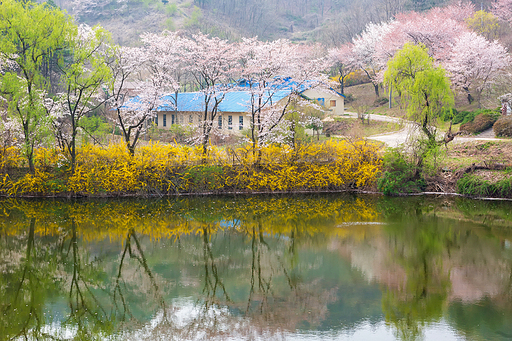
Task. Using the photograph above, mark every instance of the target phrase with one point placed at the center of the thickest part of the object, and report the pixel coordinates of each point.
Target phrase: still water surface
(256, 268)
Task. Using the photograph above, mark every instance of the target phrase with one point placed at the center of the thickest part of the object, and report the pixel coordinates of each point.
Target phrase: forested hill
(328, 21)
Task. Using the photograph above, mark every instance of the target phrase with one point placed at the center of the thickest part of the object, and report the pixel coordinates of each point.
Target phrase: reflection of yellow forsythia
(169, 169)
(176, 217)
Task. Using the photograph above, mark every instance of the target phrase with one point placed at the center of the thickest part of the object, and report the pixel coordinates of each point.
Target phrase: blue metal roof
(233, 101)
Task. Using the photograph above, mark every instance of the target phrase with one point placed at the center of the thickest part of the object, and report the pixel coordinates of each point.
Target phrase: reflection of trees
(279, 294)
(26, 285)
(247, 258)
(86, 312)
(118, 296)
(419, 245)
(212, 280)
(40, 273)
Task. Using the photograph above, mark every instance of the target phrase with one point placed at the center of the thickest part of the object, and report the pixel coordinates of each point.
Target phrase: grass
(474, 185)
(364, 97)
(354, 127)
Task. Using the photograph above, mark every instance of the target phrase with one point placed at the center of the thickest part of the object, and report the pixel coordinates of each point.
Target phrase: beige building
(233, 113)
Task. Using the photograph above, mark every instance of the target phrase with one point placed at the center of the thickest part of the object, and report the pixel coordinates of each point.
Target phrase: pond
(309, 267)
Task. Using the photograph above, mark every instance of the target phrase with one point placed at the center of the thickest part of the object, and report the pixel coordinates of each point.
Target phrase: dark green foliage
(400, 175)
(466, 116)
(473, 185)
(447, 114)
(203, 176)
(480, 123)
(503, 127)
(380, 101)
(95, 124)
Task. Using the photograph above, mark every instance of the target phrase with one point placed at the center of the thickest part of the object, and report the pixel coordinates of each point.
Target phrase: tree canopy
(30, 34)
(424, 87)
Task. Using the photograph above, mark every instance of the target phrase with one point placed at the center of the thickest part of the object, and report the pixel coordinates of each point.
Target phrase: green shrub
(400, 175)
(473, 185)
(466, 116)
(462, 117)
(171, 9)
(503, 127)
(448, 114)
(480, 123)
(380, 101)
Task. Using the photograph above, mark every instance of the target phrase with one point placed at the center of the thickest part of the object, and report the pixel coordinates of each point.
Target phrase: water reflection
(304, 267)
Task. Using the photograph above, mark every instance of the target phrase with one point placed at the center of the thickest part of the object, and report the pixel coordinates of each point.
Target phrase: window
(230, 122)
(333, 103)
(172, 119)
(164, 120)
(240, 122)
(156, 120)
(190, 119)
(220, 121)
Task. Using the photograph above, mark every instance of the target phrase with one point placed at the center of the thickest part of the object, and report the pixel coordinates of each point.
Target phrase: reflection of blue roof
(235, 101)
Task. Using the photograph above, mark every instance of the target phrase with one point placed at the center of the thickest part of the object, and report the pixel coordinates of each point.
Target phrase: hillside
(328, 21)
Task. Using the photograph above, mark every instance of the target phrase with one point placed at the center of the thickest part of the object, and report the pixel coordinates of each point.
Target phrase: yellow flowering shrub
(163, 169)
(10, 157)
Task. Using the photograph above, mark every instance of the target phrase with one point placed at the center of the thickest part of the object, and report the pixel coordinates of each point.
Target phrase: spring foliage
(424, 87)
(158, 169)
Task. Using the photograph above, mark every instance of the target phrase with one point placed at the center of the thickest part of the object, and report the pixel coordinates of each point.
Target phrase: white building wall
(232, 123)
(332, 101)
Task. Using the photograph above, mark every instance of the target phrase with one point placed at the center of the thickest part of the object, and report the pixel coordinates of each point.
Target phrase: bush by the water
(473, 185)
(503, 127)
(480, 123)
(174, 168)
(400, 175)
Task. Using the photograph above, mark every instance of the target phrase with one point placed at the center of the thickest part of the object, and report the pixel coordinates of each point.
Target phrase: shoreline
(241, 193)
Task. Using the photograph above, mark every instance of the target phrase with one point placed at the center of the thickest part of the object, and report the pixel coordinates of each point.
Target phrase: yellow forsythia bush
(171, 169)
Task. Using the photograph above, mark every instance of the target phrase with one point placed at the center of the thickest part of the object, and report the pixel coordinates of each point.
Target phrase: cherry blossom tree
(366, 54)
(264, 66)
(213, 64)
(305, 71)
(436, 30)
(125, 63)
(344, 62)
(148, 71)
(476, 63)
(503, 10)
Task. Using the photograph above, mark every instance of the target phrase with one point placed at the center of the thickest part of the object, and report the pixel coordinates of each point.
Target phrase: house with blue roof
(232, 114)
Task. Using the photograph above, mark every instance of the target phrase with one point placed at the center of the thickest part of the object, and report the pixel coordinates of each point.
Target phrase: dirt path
(394, 139)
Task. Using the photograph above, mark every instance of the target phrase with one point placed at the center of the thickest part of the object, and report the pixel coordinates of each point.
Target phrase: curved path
(394, 139)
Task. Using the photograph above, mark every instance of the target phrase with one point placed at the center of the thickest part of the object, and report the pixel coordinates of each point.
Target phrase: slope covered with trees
(328, 21)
